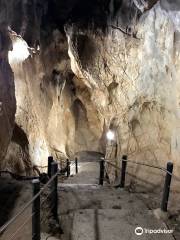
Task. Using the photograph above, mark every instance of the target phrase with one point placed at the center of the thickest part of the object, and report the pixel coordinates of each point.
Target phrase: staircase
(91, 212)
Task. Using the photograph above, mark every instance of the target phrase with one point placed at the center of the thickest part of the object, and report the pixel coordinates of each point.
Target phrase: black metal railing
(123, 169)
(37, 202)
(18, 177)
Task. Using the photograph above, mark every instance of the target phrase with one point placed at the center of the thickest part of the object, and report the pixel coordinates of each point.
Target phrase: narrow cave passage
(86, 82)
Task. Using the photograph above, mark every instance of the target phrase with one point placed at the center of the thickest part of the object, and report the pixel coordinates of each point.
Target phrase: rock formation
(87, 67)
(7, 92)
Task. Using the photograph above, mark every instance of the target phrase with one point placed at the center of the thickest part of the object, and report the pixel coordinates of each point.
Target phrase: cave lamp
(110, 135)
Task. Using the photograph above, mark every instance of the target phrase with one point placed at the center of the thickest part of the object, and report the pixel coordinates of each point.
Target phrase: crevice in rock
(20, 137)
(17, 158)
(80, 113)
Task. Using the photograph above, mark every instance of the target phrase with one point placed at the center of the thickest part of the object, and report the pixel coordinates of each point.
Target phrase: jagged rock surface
(133, 82)
(122, 71)
(7, 94)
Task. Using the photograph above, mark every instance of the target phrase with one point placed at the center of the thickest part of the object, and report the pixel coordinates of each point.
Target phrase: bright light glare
(110, 135)
(20, 52)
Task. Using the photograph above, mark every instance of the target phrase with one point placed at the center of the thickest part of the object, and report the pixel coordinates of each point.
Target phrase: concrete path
(91, 212)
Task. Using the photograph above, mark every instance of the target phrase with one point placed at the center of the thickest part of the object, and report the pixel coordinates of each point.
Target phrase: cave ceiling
(32, 19)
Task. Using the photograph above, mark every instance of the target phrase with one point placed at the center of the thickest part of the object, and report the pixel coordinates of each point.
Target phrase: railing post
(68, 168)
(76, 165)
(36, 233)
(54, 194)
(165, 198)
(123, 171)
(101, 177)
(50, 160)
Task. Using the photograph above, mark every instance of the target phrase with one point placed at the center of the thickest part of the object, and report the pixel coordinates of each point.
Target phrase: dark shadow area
(20, 137)
(89, 156)
(77, 11)
(80, 113)
(9, 193)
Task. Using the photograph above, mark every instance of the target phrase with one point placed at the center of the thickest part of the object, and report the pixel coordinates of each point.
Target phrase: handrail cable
(19, 176)
(143, 164)
(113, 165)
(21, 227)
(45, 199)
(4, 227)
(59, 162)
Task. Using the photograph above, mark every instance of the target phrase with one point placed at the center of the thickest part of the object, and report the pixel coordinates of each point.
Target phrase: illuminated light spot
(20, 51)
(110, 135)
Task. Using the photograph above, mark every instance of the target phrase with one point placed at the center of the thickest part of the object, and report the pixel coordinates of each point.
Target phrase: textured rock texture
(48, 108)
(133, 82)
(7, 93)
(21, 16)
(96, 65)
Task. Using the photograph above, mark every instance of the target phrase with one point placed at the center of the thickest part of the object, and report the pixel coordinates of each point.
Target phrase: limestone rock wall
(25, 18)
(93, 66)
(7, 94)
(52, 115)
(49, 109)
(133, 83)
(19, 16)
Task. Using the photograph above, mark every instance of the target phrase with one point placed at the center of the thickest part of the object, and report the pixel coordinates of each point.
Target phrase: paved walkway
(92, 212)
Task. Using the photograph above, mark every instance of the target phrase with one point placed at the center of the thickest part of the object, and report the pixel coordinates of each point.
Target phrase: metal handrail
(22, 210)
(25, 207)
(19, 177)
(71, 161)
(113, 165)
(21, 227)
(142, 164)
(124, 161)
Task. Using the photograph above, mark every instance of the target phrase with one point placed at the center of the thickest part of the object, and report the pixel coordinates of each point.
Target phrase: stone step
(78, 186)
(110, 224)
(88, 173)
(46, 236)
(82, 196)
(91, 212)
